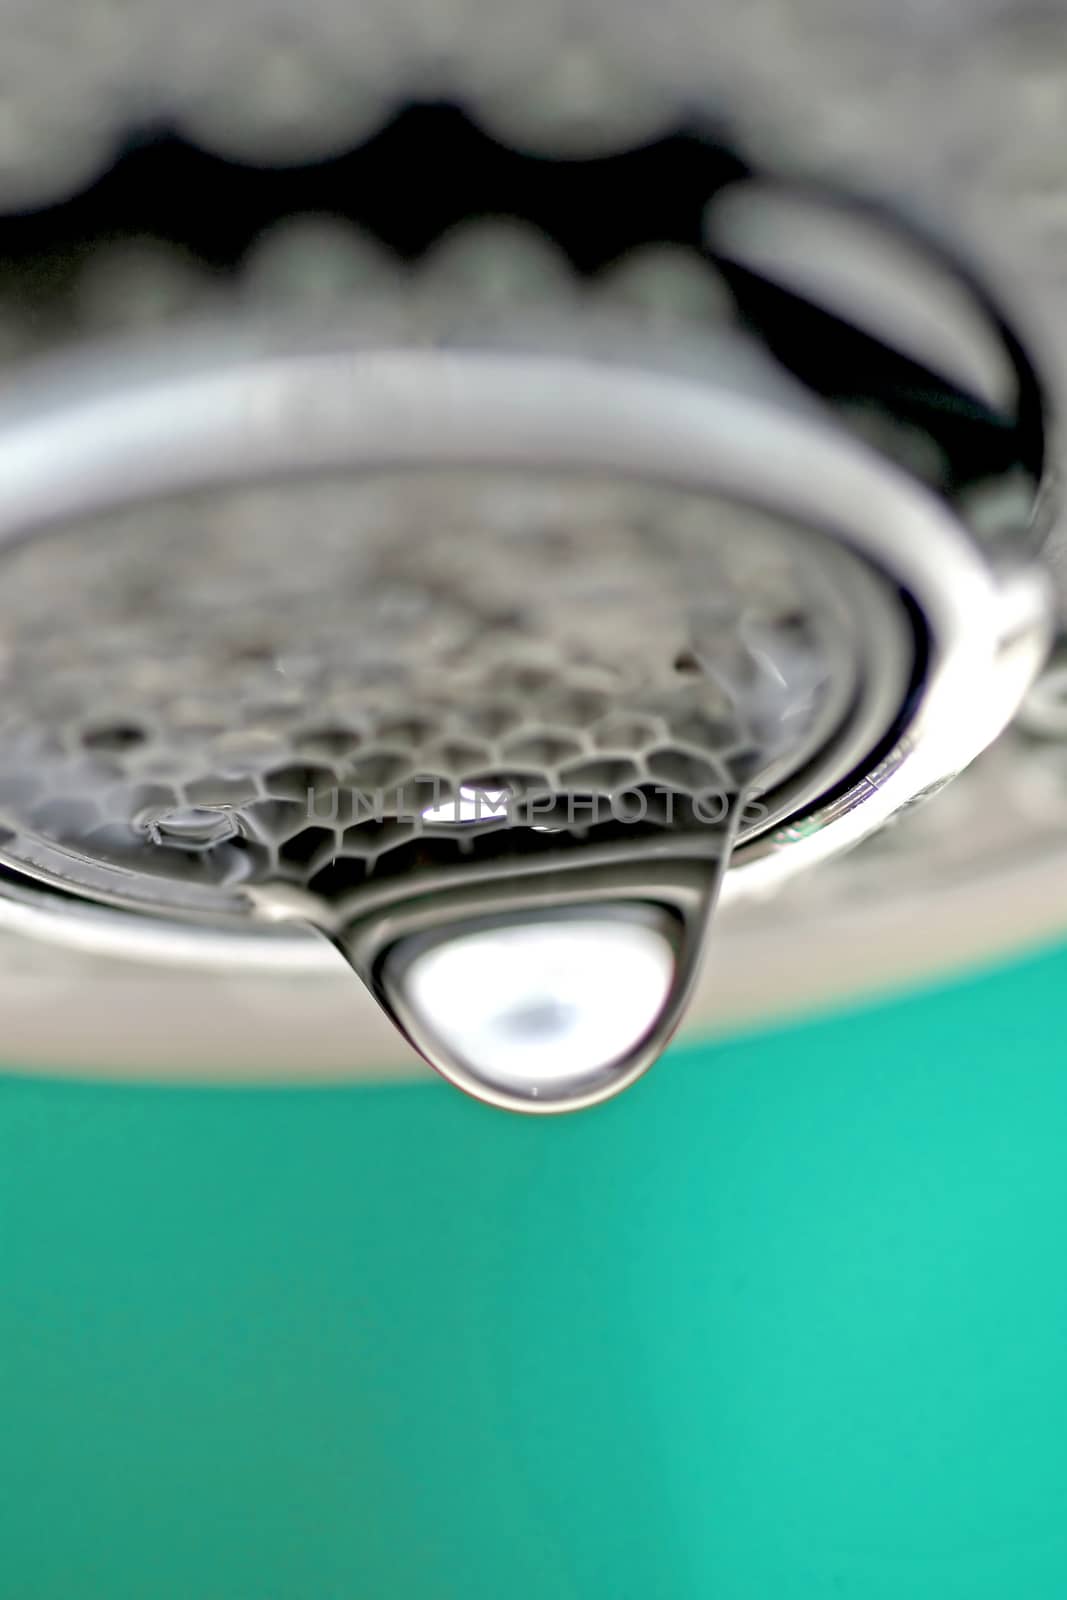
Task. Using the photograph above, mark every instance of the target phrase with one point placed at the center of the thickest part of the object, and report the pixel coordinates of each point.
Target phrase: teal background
(788, 1321)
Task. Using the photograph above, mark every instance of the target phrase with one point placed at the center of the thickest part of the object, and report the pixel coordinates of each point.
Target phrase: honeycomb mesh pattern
(274, 684)
(820, 85)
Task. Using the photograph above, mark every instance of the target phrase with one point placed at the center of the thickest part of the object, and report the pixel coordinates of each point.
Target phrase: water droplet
(542, 1007)
(193, 827)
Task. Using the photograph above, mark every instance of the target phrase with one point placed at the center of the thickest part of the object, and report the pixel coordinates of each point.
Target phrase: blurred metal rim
(154, 422)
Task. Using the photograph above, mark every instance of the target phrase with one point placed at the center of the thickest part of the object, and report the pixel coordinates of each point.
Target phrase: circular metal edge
(152, 424)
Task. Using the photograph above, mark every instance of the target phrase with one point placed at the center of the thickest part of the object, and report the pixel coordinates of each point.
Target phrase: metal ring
(157, 423)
